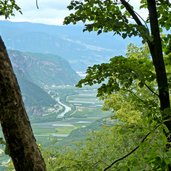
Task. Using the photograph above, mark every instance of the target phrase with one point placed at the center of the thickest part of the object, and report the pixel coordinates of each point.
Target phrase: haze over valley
(48, 62)
(80, 49)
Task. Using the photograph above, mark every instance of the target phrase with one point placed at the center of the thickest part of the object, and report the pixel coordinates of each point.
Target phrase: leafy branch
(131, 152)
(131, 11)
(151, 90)
(144, 31)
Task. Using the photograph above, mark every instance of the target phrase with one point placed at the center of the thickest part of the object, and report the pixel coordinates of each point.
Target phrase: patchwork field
(80, 107)
(75, 108)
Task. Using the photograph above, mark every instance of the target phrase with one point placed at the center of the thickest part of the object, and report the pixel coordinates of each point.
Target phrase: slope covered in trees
(34, 71)
(43, 69)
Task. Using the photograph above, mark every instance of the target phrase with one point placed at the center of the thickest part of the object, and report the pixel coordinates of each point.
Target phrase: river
(66, 108)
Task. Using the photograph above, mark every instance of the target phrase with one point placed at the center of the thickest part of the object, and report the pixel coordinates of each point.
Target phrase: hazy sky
(49, 12)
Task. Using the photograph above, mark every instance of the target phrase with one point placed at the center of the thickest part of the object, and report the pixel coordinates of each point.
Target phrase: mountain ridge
(34, 71)
(69, 42)
(44, 69)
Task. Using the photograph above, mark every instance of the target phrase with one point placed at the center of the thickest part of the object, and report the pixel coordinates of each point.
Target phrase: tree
(120, 17)
(134, 130)
(16, 127)
(131, 131)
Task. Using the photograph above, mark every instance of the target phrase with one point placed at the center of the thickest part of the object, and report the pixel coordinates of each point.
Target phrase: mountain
(33, 70)
(43, 69)
(34, 97)
(69, 42)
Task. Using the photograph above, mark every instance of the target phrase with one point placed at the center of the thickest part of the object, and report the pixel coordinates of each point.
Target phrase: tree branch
(37, 4)
(151, 90)
(125, 156)
(137, 96)
(135, 17)
(131, 11)
(142, 20)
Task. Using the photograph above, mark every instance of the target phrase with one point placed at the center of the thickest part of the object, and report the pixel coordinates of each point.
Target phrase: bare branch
(142, 20)
(37, 4)
(125, 156)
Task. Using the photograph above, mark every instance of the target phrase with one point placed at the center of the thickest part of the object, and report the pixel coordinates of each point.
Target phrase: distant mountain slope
(34, 97)
(43, 69)
(81, 134)
(33, 94)
(80, 49)
(33, 70)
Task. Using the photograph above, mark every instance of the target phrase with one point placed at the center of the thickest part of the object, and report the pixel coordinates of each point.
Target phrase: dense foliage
(135, 87)
(7, 8)
(135, 128)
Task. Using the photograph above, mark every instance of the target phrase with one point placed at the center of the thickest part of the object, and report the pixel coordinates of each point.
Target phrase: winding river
(66, 108)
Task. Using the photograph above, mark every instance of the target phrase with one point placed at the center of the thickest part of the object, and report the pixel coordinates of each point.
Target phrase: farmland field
(80, 107)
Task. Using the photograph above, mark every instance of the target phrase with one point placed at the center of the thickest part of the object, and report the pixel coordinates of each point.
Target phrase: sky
(50, 11)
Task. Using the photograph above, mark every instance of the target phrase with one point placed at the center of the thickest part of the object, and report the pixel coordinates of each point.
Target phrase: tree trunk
(157, 55)
(16, 127)
(158, 61)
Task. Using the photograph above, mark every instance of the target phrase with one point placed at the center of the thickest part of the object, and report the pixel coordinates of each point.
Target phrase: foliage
(114, 140)
(134, 87)
(7, 8)
(114, 16)
(121, 73)
(100, 153)
(135, 115)
(120, 17)
(103, 16)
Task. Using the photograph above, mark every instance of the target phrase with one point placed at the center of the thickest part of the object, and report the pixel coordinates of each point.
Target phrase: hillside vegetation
(34, 71)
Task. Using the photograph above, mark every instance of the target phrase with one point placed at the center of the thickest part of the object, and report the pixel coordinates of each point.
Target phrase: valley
(78, 109)
(54, 105)
(48, 61)
(76, 113)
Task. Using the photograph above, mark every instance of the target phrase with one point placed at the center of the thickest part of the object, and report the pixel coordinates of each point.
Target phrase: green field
(85, 109)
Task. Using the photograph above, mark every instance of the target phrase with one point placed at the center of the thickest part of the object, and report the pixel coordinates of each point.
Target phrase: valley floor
(77, 108)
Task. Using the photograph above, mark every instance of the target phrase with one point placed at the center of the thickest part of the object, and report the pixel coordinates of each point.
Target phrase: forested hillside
(34, 97)
(34, 71)
(44, 69)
